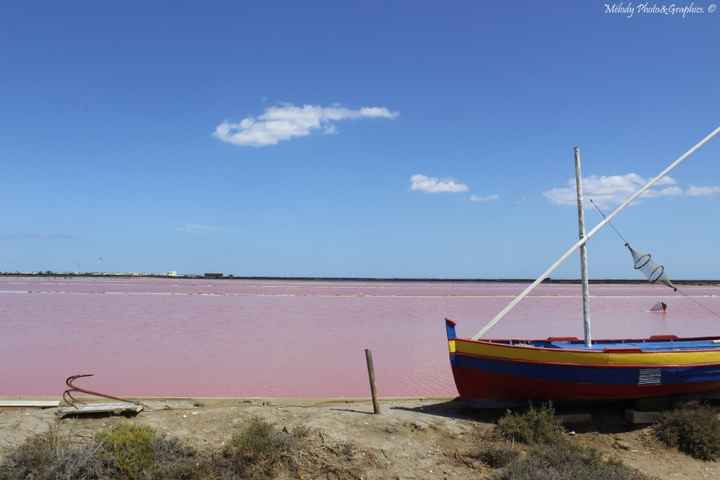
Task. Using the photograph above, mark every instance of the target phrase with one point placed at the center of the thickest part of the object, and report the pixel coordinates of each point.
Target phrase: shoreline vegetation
(220, 276)
(267, 439)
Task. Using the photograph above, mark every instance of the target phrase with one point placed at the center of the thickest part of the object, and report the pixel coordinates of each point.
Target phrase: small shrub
(51, 456)
(301, 432)
(346, 450)
(137, 452)
(566, 461)
(536, 425)
(496, 457)
(255, 451)
(174, 460)
(694, 430)
(129, 449)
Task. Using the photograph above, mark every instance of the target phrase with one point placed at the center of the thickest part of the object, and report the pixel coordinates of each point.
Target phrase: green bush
(694, 430)
(128, 448)
(536, 425)
(566, 461)
(137, 452)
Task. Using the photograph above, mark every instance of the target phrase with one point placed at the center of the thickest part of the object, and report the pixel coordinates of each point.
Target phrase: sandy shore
(413, 438)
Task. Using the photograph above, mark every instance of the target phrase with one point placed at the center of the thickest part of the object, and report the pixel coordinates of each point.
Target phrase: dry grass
(566, 461)
(51, 456)
(495, 456)
(536, 425)
(255, 452)
(694, 430)
(129, 451)
(551, 454)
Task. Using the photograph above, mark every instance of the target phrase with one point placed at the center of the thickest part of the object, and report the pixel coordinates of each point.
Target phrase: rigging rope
(611, 224)
(653, 271)
(699, 304)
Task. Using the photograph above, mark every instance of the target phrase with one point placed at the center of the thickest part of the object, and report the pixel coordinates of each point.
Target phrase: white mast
(583, 251)
(592, 233)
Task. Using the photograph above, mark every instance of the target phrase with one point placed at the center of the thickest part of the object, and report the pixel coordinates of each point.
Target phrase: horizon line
(222, 276)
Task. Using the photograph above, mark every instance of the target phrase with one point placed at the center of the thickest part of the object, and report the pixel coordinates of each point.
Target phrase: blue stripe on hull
(675, 375)
(593, 375)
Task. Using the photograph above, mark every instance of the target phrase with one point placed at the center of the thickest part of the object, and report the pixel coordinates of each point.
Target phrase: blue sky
(267, 138)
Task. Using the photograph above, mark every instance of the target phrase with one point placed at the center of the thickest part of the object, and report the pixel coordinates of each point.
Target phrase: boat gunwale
(498, 342)
(523, 343)
(589, 365)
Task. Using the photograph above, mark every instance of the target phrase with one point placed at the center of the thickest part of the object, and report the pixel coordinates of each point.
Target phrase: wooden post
(371, 375)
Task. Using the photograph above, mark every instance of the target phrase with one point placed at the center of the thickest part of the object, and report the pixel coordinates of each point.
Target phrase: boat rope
(700, 304)
(658, 271)
(617, 232)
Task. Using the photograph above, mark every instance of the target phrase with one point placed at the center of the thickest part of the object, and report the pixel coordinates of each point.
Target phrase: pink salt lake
(291, 338)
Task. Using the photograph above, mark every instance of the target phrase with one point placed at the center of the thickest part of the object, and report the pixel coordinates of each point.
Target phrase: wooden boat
(563, 369)
(504, 371)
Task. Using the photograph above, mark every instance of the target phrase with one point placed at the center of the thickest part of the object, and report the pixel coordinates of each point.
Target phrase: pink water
(290, 338)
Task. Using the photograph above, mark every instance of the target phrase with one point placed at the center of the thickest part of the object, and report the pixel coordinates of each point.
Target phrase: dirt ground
(412, 439)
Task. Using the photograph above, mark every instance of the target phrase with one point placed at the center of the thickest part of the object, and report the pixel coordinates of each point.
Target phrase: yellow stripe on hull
(526, 353)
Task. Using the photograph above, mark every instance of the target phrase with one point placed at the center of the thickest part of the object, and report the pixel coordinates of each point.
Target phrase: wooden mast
(592, 233)
(583, 251)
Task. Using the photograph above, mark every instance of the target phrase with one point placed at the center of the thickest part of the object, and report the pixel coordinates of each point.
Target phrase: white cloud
(608, 191)
(423, 183)
(484, 198)
(694, 191)
(197, 228)
(284, 122)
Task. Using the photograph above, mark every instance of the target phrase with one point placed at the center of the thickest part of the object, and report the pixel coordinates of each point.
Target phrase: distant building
(213, 275)
(171, 273)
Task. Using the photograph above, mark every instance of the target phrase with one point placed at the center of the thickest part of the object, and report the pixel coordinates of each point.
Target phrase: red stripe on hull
(474, 384)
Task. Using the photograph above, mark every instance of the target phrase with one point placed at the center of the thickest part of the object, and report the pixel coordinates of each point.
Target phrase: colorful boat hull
(563, 369)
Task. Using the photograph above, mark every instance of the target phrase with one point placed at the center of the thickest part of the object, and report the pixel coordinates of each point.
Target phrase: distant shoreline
(618, 281)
